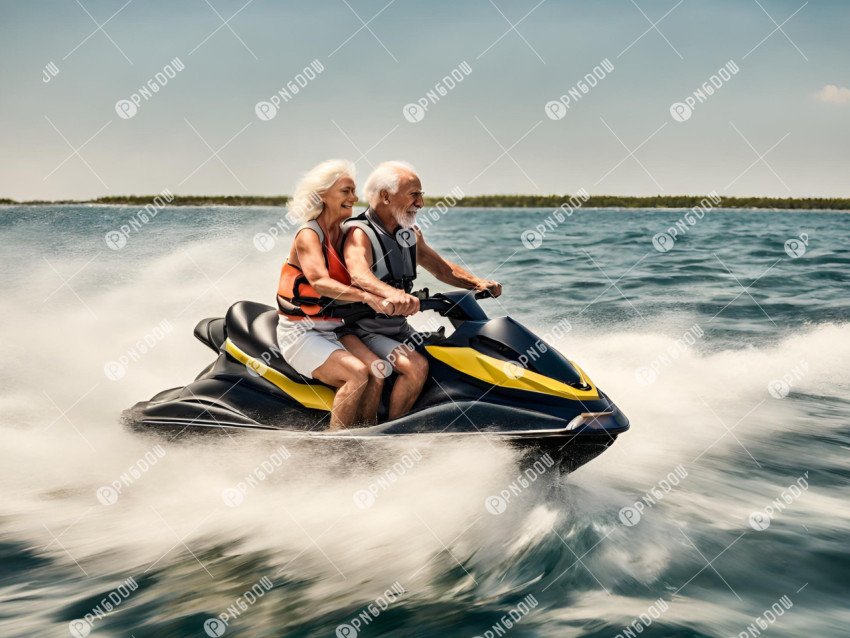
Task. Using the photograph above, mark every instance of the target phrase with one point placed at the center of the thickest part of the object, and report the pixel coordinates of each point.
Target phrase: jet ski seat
(252, 327)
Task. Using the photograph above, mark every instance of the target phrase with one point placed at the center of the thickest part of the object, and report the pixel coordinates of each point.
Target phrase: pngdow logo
(117, 238)
(258, 366)
(217, 626)
(370, 613)
(50, 72)
(664, 241)
(516, 369)
(267, 109)
(415, 111)
(631, 514)
(116, 369)
(682, 111)
(557, 109)
(497, 503)
(780, 388)
(82, 627)
(647, 374)
(532, 238)
(508, 620)
(234, 496)
(769, 616)
(294, 217)
(128, 108)
(427, 217)
(108, 494)
(382, 368)
(760, 520)
(644, 620)
(365, 498)
(797, 246)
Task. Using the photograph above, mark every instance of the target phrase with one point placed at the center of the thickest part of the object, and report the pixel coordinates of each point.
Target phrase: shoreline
(494, 209)
(661, 202)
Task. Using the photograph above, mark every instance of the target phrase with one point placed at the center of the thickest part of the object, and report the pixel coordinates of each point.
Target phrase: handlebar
(442, 303)
(354, 312)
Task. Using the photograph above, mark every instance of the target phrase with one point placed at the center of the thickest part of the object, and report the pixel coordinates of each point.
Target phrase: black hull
(562, 416)
(527, 431)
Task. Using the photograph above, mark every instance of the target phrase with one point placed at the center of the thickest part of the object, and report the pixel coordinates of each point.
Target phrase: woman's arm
(311, 259)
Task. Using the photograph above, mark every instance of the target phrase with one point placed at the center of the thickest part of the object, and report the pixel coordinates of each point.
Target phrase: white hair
(306, 202)
(386, 176)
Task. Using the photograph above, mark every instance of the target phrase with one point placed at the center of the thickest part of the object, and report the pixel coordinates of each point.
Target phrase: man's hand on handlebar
(402, 304)
(488, 285)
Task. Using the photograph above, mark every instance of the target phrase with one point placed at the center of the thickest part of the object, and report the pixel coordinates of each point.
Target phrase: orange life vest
(296, 298)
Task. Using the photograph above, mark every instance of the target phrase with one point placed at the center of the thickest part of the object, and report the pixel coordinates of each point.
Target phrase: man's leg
(368, 412)
(412, 369)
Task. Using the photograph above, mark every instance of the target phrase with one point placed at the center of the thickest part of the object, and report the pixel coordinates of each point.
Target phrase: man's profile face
(407, 200)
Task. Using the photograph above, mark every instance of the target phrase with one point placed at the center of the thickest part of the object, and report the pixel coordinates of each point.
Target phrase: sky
(777, 126)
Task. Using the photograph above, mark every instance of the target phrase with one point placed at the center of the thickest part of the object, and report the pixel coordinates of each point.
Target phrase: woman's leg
(344, 371)
(368, 413)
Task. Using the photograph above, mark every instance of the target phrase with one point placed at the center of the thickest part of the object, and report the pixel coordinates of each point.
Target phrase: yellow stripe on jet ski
(508, 375)
(317, 397)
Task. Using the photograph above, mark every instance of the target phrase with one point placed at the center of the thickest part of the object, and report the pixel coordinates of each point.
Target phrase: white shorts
(305, 349)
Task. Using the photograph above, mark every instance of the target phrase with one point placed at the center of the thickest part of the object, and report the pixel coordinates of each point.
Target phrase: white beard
(405, 219)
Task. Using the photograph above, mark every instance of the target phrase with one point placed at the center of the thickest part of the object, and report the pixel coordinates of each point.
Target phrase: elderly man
(382, 249)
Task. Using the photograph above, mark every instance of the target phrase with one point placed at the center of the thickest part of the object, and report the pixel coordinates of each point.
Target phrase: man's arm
(311, 260)
(357, 252)
(449, 272)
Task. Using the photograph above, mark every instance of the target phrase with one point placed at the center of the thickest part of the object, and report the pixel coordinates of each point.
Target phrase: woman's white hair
(386, 176)
(306, 202)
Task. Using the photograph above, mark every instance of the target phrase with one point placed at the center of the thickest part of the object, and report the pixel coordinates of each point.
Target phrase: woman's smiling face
(340, 198)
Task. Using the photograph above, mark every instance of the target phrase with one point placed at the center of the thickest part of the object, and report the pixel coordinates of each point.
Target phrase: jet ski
(489, 378)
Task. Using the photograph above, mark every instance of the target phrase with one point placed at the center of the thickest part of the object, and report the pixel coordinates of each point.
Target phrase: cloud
(832, 94)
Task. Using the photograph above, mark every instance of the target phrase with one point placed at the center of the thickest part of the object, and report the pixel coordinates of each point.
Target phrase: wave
(427, 527)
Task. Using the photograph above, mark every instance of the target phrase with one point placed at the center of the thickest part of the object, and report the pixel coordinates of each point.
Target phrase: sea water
(722, 512)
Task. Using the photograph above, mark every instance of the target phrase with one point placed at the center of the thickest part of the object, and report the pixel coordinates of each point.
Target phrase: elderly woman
(312, 281)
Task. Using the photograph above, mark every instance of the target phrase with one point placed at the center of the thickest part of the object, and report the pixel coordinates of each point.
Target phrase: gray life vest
(393, 263)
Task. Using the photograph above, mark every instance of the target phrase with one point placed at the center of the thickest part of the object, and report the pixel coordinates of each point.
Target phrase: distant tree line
(655, 201)
(493, 201)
